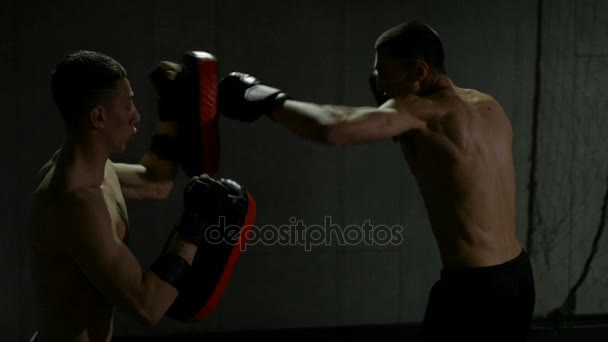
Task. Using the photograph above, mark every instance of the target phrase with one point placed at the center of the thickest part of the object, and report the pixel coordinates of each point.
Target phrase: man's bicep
(105, 261)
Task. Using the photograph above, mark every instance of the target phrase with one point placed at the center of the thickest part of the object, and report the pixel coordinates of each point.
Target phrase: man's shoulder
(77, 202)
(474, 96)
(84, 213)
(43, 171)
(59, 218)
(480, 103)
(85, 201)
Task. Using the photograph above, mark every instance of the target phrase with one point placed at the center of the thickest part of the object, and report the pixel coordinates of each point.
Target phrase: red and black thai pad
(198, 126)
(213, 265)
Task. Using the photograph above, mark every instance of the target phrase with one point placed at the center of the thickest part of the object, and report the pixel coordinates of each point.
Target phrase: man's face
(393, 78)
(121, 116)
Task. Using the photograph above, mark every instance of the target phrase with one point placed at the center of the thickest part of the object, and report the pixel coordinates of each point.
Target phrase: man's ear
(97, 117)
(422, 70)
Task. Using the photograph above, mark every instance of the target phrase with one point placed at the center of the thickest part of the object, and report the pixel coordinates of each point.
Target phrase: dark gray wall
(572, 159)
(322, 51)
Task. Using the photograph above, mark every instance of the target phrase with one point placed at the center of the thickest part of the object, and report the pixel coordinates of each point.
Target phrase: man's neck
(439, 82)
(83, 162)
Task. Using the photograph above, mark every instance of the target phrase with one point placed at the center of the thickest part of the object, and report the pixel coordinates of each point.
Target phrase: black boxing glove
(218, 215)
(378, 96)
(243, 97)
(208, 204)
(206, 200)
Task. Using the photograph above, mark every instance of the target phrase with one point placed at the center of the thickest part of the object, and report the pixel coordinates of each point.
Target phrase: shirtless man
(82, 266)
(457, 143)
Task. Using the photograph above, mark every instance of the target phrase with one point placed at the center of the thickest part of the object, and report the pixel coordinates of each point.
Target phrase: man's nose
(137, 118)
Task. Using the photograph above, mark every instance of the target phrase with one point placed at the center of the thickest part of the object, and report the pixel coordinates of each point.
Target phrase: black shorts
(492, 303)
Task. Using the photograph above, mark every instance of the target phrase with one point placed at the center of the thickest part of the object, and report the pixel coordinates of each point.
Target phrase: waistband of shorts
(517, 263)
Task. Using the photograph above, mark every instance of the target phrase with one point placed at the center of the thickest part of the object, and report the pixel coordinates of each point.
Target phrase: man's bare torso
(463, 164)
(71, 309)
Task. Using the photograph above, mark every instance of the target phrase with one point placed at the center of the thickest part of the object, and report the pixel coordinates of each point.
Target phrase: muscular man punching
(82, 266)
(457, 143)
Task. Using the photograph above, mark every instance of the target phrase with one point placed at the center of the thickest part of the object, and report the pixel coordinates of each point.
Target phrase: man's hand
(207, 199)
(243, 97)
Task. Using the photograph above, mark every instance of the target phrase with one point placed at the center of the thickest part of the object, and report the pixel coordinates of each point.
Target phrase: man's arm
(243, 97)
(110, 265)
(136, 182)
(342, 125)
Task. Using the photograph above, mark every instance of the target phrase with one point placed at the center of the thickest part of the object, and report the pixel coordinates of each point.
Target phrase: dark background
(322, 51)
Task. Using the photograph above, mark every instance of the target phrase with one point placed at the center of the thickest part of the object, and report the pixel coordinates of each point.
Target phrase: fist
(243, 97)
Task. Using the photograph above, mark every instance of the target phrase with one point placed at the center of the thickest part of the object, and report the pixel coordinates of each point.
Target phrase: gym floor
(590, 328)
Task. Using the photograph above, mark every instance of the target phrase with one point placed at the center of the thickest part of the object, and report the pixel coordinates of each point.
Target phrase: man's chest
(116, 205)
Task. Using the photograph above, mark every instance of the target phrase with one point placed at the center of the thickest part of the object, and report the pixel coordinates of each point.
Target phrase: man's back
(463, 164)
(71, 308)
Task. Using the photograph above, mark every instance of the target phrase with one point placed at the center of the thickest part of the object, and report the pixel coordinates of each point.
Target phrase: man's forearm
(309, 120)
(158, 295)
(336, 125)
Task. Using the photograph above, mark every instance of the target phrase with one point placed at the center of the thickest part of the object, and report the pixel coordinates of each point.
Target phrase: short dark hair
(79, 80)
(412, 40)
